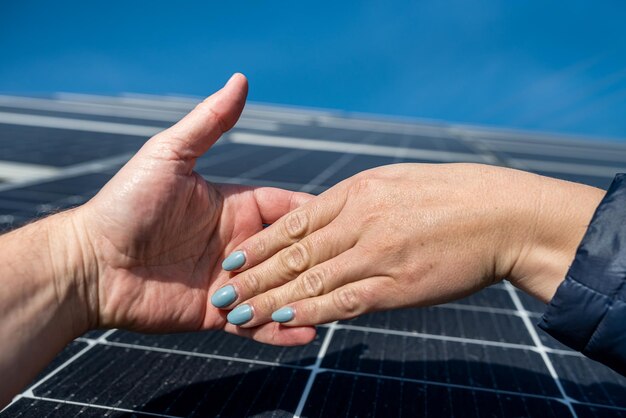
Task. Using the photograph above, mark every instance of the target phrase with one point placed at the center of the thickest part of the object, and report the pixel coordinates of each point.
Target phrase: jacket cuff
(588, 311)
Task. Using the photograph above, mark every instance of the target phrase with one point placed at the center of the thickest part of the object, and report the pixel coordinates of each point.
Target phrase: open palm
(158, 231)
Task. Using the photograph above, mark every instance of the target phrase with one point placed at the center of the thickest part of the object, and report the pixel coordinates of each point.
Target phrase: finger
(275, 334)
(285, 265)
(321, 279)
(193, 135)
(270, 203)
(274, 203)
(291, 228)
(346, 302)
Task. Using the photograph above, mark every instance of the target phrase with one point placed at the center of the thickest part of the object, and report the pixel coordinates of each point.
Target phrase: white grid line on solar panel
(315, 369)
(318, 369)
(79, 124)
(293, 115)
(115, 128)
(439, 337)
(104, 164)
(98, 406)
(120, 111)
(565, 168)
(590, 151)
(249, 138)
(93, 166)
(327, 173)
(273, 164)
(355, 123)
(191, 353)
(540, 347)
(503, 134)
(15, 171)
(258, 111)
(479, 308)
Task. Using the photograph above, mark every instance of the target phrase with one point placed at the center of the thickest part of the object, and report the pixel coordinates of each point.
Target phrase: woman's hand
(409, 235)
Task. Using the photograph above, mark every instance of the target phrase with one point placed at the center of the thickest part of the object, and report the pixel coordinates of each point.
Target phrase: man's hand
(154, 237)
(144, 254)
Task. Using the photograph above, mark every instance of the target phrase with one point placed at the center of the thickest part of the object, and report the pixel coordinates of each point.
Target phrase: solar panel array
(480, 356)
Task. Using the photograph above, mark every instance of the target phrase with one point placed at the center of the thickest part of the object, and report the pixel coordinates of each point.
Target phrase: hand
(155, 235)
(411, 235)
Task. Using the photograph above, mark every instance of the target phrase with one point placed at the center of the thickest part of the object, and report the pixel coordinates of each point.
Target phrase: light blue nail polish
(283, 314)
(224, 296)
(234, 261)
(240, 315)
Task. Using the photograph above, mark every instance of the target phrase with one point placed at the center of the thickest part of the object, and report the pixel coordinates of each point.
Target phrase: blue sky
(550, 66)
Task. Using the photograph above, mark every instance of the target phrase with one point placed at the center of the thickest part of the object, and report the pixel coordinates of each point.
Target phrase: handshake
(159, 249)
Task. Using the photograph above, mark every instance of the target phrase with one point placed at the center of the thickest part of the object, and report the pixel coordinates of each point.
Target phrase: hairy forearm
(40, 300)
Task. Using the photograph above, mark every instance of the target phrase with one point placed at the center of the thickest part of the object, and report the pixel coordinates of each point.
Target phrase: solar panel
(480, 356)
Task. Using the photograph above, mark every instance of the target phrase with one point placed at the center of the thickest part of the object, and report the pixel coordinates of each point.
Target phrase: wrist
(74, 269)
(561, 215)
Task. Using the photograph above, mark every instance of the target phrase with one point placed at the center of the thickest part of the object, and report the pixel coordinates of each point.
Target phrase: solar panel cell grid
(479, 356)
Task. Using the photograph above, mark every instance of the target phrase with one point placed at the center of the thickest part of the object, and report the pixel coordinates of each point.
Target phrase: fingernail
(283, 314)
(240, 315)
(234, 261)
(224, 296)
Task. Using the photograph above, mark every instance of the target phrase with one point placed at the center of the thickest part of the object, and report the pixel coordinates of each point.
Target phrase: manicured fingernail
(240, 315)
(283, 314)
(234, 261)
(224, 296)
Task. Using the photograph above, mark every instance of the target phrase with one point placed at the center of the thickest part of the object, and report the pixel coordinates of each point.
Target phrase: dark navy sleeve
(588, 311)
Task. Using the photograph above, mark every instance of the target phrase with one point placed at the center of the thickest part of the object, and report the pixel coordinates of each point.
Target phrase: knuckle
(295, 258)
(258, 247)
(312, 283)
(346, 300)
(252, 282)
(368, 296)
(268, 303)
(296, 224)
(362, 184)
(310, 309)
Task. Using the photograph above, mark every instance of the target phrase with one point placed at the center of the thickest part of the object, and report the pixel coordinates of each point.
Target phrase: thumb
(194, 134)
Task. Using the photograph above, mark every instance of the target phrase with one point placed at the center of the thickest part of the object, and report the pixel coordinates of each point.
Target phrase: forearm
(40, 301)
